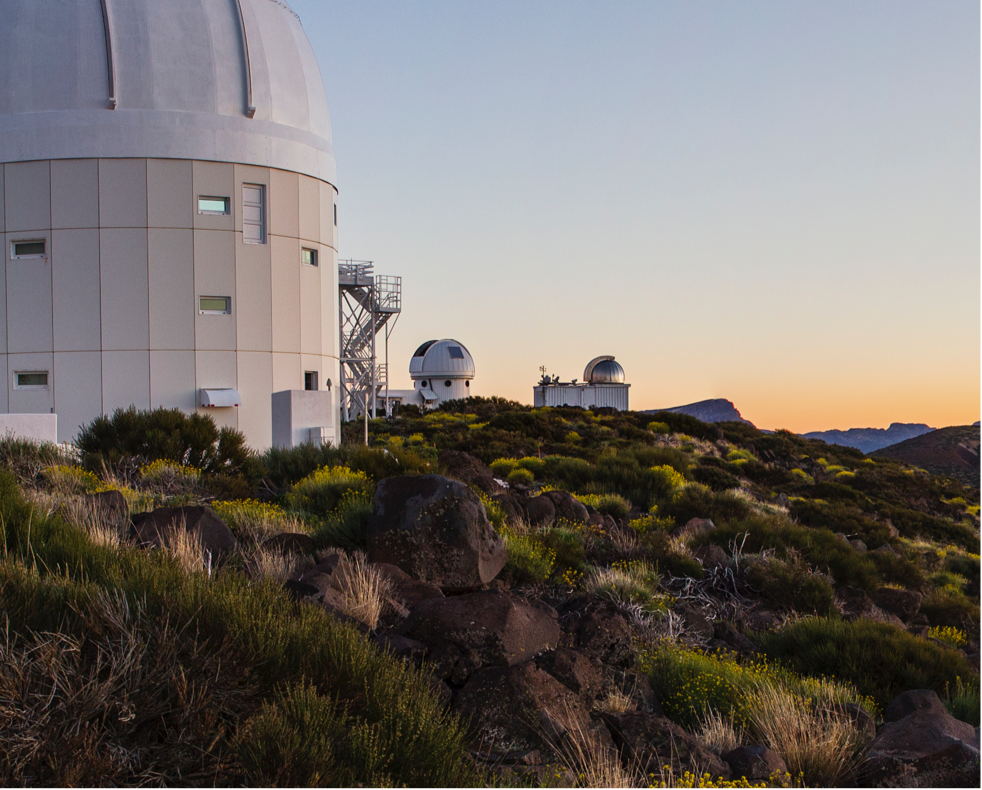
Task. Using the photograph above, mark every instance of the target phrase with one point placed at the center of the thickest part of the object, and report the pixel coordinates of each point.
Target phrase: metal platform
(369, 304)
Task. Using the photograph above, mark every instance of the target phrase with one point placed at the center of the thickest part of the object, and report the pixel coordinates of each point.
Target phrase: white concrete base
(302, 416)
(36, 427)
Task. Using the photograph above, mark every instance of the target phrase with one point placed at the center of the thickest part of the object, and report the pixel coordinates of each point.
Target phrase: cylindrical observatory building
(167, 210)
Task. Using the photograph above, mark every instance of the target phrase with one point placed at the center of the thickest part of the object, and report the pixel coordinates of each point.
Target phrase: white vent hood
(220, 398)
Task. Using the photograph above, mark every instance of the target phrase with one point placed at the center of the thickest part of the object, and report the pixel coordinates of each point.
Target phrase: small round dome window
(424, 384)
(446, 383)
(467, 383)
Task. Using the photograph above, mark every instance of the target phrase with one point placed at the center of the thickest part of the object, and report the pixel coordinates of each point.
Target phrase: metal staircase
(369, 304)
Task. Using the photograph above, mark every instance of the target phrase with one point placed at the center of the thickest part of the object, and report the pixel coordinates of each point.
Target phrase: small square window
(31, 380)
(308, 256)
(215, 305)
(213, 205)
(34, 248)
(310, 380)
(455, 352)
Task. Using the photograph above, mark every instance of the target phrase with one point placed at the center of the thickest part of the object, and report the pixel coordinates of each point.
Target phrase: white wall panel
(74, 194)
(124, 280)
(76, 290)
(328, 228)
(3, 221)
(27, 195)
(29, 401)
(255, 372)
(217, 370)
(286, 294)
(171, 202)
(287, 372)
(29, 299)
(214, 275)
(123, 193)
(284, 208)
(214, 179)
(254, 308)
(310, 209)
(173, 307)
(310, 309)
(125, 380)
(77, 390)
(172, 383)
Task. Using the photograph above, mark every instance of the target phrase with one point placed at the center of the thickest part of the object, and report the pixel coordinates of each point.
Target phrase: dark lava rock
(405, 588)
(754, 762)
(575, 670)
(636, 687)
(300, 590)
(290, 543)
(599, 630)
(436, 530)
(499, 628)
(712, 556)
(901, 603)
(919, 737)
(110, 505)
(513, 507)
(651, 742)
(150, 529)
(518, 708)
(567, 508)
(541, 511)
(468, 469)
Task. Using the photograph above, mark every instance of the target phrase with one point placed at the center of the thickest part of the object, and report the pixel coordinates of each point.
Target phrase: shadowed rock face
(151, 529)
(436, 530)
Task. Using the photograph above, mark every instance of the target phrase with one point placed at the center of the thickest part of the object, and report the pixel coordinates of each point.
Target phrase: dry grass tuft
(617, 702)
(719, 733)
(593, 763)
(363, 589)
(186, 548)
(814, 741)
(274, 565)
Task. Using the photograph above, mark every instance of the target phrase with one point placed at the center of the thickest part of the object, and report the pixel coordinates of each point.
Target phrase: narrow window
(213, 205)
(308, 256)
(31, 380)
(335, 215)
(310, 380)
(253, 214)
(215, 305)
(35, 248)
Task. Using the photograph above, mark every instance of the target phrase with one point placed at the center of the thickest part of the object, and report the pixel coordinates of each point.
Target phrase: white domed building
(604, 385)
(441, 370)
(168, 211)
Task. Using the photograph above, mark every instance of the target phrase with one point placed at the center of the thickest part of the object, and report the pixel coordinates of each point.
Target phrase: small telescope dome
(446, 359)
(604, 370)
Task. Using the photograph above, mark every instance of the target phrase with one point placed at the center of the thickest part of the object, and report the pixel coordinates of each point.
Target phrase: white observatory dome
(442, 359)
(232, 81)
(604, 370)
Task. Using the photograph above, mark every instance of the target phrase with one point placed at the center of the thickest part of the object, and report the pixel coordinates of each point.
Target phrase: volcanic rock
(436, 530)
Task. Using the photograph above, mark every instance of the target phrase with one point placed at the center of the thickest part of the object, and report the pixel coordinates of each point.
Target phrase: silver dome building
(441, 370)
(168, 211)
(604, 385)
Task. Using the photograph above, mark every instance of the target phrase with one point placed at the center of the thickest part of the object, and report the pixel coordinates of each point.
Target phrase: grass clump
(632, 583)
(529, 560)
(253, 521)
(791, 584)
(879, 659)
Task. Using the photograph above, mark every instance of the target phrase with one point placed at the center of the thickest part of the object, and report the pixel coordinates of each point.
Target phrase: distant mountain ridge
(949, 452)
(714, 410)
(869, 439)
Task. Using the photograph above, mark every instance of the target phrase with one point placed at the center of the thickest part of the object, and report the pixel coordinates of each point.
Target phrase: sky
(775, 203)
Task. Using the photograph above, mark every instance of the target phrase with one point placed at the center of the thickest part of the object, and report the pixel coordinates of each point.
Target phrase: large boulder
(598, 630)
(651, 742)
(514, 709)
(512, 506)
(470, 470)
(110, 506)
(901, 603)
(490, 627)
(541, 511)
(405, 588)
(155, 528)
(693, 528)
(436, 530)
(567, 508)
(575, 670)
(754, 762)
(920, 741)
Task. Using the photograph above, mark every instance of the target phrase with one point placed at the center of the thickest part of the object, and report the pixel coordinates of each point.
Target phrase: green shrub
(803, 476)
(881, 660)
(53, 579)
(697, 501)
(346, 526)
(612, 505)
(529, 560)
(520, 476)
(535, 465)
(567, 547)
(286, 467)
(962, 701)
(27, 459)
(949, 607)
(716, 479)
(169, 435)
(791, 584)
(321, 492)
(658, 427)
(504, 467)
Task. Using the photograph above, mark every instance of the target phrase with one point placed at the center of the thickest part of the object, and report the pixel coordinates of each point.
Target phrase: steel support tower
(368, 304)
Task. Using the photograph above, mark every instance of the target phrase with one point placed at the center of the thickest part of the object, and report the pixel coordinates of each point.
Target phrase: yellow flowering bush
(801, 474)
(168, 474)
(71, 480)
(255, 519)
(323, 490)
(954, 637)
(651, 523)
(529, 560)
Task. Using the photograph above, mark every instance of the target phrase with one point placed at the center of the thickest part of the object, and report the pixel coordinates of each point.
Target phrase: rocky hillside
(869, 439)
(714, 410)
(949, 452)
(488, 595)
